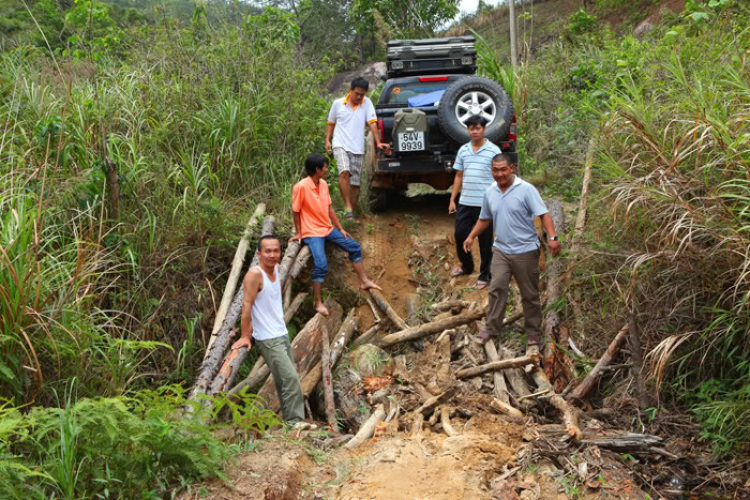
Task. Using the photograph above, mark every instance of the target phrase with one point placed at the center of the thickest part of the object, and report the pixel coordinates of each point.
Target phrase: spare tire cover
(475, 95)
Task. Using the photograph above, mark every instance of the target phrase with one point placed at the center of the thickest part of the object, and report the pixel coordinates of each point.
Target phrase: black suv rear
(440, 74)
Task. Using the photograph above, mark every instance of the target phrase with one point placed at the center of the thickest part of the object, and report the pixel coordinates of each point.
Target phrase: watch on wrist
(554, 238)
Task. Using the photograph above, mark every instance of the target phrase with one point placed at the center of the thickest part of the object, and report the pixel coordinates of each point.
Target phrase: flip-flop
(458, 271)
(480, 285)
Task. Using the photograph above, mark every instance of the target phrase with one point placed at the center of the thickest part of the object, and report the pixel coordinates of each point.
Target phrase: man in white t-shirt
(347, 120)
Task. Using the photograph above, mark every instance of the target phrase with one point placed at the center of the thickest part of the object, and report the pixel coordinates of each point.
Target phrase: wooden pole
(388, 310)
(475, 371)
(431, 328)
(231, 287)
(325, 360)
(500, 390)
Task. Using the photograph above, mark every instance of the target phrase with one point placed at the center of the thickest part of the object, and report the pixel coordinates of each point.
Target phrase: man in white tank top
(263, 322)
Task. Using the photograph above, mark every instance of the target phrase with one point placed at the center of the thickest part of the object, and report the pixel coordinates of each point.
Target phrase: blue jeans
(318, 250)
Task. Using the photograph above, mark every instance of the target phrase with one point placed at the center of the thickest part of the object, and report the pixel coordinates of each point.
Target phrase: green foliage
(415, 19)
(136, 447)
(580, 23)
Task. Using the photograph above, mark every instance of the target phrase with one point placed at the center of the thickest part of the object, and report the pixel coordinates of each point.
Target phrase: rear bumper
(416, 164)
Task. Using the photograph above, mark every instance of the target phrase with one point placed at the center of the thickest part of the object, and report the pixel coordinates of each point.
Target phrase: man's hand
(297, 237)
(243, 342)
(554, 247)
(452, 207)
(467, 244)
(328, 146)
(346, 235)
(381, 145)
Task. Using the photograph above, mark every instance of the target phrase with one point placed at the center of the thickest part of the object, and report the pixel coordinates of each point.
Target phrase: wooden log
(300, 262)
(342, 338)
(387, 309)
(366, 337)
(517, 380)
(290, 311)
(505, 408)
(290, 255)
(215, 355)
(554, 271)
(582, 390)
(636, 361)
(431, 328)
(325, 361)
(500, 390)
(450, 305)
(234, 274)
(621, 441)
(412, 309)
(287, 297)
(429, 405)
(582, 203)
(445, 421)
(503, 364)
(306, 348)
(368, 429)
(570, 413)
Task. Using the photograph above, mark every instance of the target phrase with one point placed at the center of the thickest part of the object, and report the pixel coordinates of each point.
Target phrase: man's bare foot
(366, 285)
(321, 308)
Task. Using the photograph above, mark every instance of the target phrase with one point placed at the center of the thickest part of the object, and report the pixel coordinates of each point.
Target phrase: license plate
(411, 141)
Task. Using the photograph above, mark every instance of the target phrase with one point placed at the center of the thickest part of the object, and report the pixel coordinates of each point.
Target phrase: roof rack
(431, 55)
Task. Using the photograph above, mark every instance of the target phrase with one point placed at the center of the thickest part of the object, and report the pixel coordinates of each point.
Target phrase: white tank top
(267, 312)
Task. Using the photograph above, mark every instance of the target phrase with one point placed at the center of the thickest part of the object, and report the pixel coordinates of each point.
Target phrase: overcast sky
(469, 6)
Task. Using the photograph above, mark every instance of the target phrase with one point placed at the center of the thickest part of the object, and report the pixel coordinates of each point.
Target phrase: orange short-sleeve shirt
(312, 203)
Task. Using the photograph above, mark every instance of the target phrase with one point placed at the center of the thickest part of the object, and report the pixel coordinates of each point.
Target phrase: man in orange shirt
(314, 221)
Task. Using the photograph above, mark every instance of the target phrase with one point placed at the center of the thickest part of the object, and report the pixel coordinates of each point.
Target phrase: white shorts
(349, 162)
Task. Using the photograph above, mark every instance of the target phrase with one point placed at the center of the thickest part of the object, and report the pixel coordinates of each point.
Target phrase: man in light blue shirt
(511, 205)
(473, 177)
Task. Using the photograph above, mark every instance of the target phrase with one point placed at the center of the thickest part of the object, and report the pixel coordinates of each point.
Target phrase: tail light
(380, 129)
(433, 78)
(512, 132)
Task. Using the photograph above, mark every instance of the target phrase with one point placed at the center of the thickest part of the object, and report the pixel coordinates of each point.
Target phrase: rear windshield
(399, 94)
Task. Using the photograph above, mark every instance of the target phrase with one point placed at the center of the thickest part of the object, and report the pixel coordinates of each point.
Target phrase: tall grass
(677, 159)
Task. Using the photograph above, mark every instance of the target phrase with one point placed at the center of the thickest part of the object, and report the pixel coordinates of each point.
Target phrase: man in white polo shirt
(510, 205)
(347, 120)
(473, 177)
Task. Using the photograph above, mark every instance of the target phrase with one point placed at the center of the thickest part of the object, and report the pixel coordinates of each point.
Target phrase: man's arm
(549, 228)
(329, 133)
(479, 228)
(376, 134)
(251, 285)
(335, 221)
(457, 183)
(297, 227)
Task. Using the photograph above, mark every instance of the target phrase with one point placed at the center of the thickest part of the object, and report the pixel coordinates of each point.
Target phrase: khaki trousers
(524, 268)
(277, 353)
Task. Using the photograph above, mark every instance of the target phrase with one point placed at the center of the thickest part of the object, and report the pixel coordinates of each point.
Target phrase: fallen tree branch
(570, 413)
(500, 390)
(387, 309)
(325, 361)
(231, 287)
(431, 328)
(475, 371)
(505, 408)
(588, 383)
(367, 336)
(368, 428)
(434, 401)
(344, 335)
(445, 421)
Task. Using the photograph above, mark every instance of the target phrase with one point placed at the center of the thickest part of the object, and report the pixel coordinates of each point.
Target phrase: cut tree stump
(387, 309)
(584, 388)
(431, 328)
(569, 413)
(234, 274)
(215, 355)
(503, 364)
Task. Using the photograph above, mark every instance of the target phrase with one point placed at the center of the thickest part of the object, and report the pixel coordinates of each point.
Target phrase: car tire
(463, 91)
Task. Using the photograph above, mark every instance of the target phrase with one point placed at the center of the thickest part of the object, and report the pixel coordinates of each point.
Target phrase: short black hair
(267, 237)
(313, 162)
(361, 83)
(475, 120)
(502, 157)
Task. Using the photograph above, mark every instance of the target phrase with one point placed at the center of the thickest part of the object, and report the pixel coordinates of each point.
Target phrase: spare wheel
(470, 96)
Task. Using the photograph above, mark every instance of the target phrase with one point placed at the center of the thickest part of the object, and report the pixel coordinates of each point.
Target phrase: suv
(430, 90)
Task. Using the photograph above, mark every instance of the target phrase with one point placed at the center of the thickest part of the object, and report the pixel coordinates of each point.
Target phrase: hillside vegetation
(135, 145)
